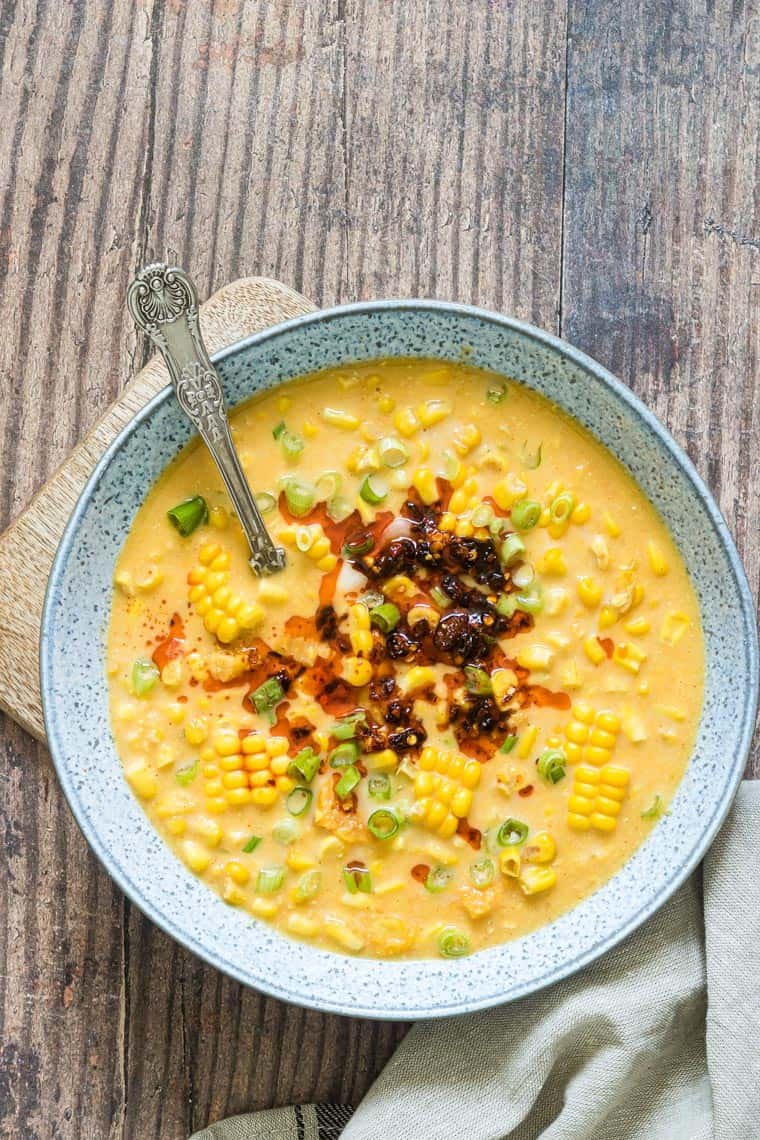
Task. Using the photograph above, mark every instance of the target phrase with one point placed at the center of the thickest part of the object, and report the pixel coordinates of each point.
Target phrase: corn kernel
(466, 438)
(336, 417)
(540, 848)
(301, 925)
(142, 782)
(237, 871)
(613, 530)
(674, 627)
(593, 650)
(608, 615)
(218, 518)
(628, 656)
(537, 658)
(527, 742)
(433, 411)
(555, 601)
(510, 862)
(590, 592)
(263, 797)
(386, 404)
(554, 562)
(195, 855)
(417, 678)
(271, 593)
(657, 559)
(581, 513)
(424, 482)
(264, 908)
(405, 422)
(534, 880)
(342, 933)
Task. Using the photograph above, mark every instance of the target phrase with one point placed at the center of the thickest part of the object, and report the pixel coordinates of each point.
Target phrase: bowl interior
(75, 695)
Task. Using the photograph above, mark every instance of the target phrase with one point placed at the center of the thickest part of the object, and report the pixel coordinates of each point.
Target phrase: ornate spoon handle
(163, 302)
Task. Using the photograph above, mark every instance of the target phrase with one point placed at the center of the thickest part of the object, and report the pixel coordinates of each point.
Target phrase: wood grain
(500, 153)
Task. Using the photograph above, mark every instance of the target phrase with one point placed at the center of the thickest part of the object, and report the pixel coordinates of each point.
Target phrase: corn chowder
(462, 705)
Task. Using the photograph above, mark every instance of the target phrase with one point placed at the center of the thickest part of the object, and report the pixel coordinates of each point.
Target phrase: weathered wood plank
(662, 227)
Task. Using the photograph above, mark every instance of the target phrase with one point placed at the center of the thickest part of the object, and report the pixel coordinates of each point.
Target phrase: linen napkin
(658, 1040)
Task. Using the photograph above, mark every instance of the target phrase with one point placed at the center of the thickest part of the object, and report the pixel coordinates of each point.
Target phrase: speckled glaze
(75, 693)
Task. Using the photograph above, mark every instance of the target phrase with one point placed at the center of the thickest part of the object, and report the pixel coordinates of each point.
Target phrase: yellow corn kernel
(336, 417)
(637, 626)
(600, 551)
(433, 411)
(195, 855)
(226, 741)
(554, 562)
(527, 742)
(123, 579)
(357, 671)
(152, 577)
(657, 559)
(417, 678)
(172, 674)
(424, 481)
(302, 925)
(593, 650)
(504, 684)
(608, 722)
(405, 422)
(342, 933)
(674, 627)
(264, 908)
(319, 548)
(142, 781)
(175, 713)
(577, 732)
(628, 656)
(590, 592)
(508, 490)
(381, 761)
(537, 658)
(540, 848)
(399, 586)
(581, 513)
(309, 429)
(277, 745)
(176, 825)
(510, 862)
(555, 601)
(165, 755)
(263, 797)
(569, 677)
(613, 530)
(218, 518)
(298, 860)
(237, 871)
(385, 404)
(608, 615)
(534, 880)
(253, 743)
(272, 593)
(466, 438)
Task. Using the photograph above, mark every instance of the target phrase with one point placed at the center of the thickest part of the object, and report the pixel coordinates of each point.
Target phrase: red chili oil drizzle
(526, 791)
(470, 834)
(500, 512)
(172, 646)
(420, 873)
(607, 644)
(545, 698)
(328, 584)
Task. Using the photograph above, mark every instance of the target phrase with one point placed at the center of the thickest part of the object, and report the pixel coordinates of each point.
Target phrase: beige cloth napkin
(658, 1040)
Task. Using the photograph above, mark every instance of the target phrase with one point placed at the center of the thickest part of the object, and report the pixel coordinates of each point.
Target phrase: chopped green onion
(562, 507)
(373, 490)
(144, 677)
(526, 513)
(265, 501)
(512, 833)
(512, 548)
(506, 605)
(477, 681)
(339, 509)
(251, 844)
(386, 616)
(269, 880)
(264, 699)
(499, 527)
(358, 544)
(383, 823)
(482, 872)
(291, 444)
(497, 394)
(482, 515)
(286, 832)
(453, 943)
(345, 754)
(655, 809)
(440, 598)
(508, 745)
(438, 879)
(345, 729)
(531, 601)
(348, 781)
(299, 800)
(305, 536)
(308, 885)
(305, 764)
(278, 430)
(379, 787)
(328, 484)
(371, 599)
(551, 765)
(357, 879)
(187, 516)
(392, 452)
(532, 460)
(299, 497)
(186, 774)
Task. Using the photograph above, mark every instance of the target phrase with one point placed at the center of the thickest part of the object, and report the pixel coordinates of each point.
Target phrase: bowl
(74, 687)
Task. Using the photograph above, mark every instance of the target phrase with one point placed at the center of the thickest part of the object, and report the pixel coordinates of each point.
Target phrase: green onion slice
(338, 509)
(357, 879)
(186, 774)
(308, 885)
(477, 681)
(299, 497)
(442, 600)
(328, 484)
(379, 786)
(531, 601)
(269, 880)
(551, 765)
(386, 616)
(345, 729)
(508, 744)
(264, 699)
(512, 833)
(286, 832)
(453, 943)
(482, 515)
(187, 516)
(497, 393)
(348, 781)
(291, 444)
(144, 677)
(358, 544)
(655, 809)
(392, 452)
(251, 844)
(373, 490)
(512, 549)
(344, 754)
(506, 605)
(532, 459)
(299, 800)
(305, 764)
(265, 501)
(279, 429)
(525, 514)
(383, 823)
(482, 872)
(438, 879)
(562, 507)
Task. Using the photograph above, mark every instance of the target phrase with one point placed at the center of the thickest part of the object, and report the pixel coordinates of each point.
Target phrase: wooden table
(589, 166)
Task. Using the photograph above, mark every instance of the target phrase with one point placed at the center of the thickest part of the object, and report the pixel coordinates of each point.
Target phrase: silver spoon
(163, 302)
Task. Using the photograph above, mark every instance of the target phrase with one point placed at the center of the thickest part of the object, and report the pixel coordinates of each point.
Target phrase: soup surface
(463, 704)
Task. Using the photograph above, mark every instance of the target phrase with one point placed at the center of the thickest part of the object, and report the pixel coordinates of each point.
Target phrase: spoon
(163, 302)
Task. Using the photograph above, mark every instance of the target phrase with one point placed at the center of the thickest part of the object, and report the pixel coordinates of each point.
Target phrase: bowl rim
(699, 488)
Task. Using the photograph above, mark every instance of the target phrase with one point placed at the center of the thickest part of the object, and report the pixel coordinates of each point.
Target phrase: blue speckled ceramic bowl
(76, 708)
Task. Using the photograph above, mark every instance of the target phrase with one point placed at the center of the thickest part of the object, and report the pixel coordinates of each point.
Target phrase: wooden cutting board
(28, 547)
